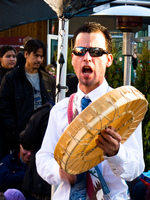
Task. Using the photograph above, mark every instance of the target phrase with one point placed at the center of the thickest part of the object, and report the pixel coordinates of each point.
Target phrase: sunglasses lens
(94, 51)
(79, 51)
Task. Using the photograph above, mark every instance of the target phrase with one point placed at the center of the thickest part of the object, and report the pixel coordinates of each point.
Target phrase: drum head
(123, 108)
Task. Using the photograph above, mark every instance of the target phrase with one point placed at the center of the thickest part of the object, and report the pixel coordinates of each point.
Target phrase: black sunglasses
(93, 51)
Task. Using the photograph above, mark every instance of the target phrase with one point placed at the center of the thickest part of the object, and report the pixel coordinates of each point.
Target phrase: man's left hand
(109, 141)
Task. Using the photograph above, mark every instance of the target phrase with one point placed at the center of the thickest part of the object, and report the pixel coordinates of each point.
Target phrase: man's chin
(87, 83)
(36, 66)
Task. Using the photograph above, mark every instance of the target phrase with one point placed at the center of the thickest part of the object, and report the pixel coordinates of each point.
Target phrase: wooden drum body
(123, 108)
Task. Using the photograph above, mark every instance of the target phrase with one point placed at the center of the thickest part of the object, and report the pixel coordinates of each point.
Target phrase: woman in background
(7, 60)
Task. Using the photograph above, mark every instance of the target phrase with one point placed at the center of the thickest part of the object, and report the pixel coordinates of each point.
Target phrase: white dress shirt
(125, 166)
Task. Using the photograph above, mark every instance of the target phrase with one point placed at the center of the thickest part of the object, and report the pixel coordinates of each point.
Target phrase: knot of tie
(85, 102)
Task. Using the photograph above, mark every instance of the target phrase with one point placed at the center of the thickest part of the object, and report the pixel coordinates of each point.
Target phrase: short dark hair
(6, 48)
(90, 27)
(33, 45)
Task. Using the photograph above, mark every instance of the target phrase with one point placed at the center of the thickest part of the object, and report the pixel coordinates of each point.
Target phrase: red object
(15, 42)
(145, 183)
(89, 185)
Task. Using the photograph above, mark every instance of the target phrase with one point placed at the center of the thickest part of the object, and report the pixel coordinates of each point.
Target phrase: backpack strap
(70, 108)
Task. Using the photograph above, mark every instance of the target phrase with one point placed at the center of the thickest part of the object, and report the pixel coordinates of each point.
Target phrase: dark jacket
(17, 103)
(31, 138)
(3, 71)
(33, 183)
(50, 84)
(20, 58)
(36, 128)
(12, 172)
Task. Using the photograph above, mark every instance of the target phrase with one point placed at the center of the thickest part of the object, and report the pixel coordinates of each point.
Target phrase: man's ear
(25, 54)
(110, 60)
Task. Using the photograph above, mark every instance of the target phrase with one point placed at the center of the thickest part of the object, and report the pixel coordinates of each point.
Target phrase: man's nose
(87, 56)
(39, 58)
(29, 153)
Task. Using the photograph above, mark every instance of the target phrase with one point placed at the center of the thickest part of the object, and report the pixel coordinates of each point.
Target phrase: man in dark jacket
(23, 90)
(32, 137)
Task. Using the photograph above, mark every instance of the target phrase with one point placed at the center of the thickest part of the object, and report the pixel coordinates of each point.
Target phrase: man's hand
(109, 141)
(67, 177)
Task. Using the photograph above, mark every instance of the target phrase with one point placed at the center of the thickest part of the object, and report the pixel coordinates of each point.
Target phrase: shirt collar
(94, 94)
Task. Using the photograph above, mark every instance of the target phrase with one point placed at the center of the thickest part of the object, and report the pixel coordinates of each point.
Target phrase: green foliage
(142, 80)
(114, 74)
(146, 144)
(69, 65)
(142, 83)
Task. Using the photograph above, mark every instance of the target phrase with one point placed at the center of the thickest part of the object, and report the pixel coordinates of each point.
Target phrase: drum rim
(128, 89)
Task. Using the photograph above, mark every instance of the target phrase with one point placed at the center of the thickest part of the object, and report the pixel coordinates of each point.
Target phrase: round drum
(123, 108)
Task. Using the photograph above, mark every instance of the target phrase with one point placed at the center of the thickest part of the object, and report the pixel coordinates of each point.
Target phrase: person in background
(13, 168)
(72, 83)
(51, 69)
(7, 63)
(32, 137)
(23, 90)
(134, 62)
(7, 60)
(122, 162)
(20, 55)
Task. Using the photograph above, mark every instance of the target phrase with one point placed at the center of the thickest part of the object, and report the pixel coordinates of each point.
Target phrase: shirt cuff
(116, 162)
(56, 177)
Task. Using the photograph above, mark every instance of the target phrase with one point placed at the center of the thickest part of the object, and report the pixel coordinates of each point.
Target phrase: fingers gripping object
(122, 108)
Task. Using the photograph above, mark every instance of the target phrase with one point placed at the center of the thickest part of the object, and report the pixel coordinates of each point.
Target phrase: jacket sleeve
(7, 105)
(36, 128)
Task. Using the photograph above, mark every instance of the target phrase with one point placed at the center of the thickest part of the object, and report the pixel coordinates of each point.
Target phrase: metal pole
(127, 70)
(61, 72)
(128, 50)
(62, 49)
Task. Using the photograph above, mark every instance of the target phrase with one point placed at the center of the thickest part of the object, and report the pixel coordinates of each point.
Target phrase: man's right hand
(67, 177)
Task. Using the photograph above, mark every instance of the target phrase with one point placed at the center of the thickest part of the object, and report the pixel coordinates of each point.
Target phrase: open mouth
(87, 70)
